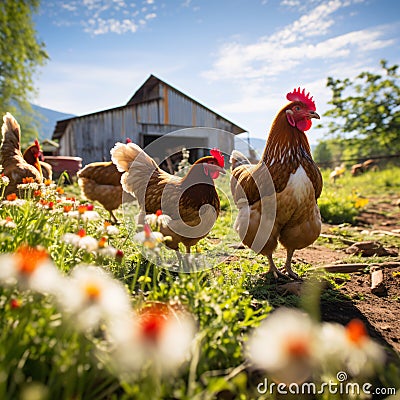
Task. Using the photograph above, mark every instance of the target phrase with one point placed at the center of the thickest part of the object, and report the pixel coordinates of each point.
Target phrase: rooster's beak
(313, 114)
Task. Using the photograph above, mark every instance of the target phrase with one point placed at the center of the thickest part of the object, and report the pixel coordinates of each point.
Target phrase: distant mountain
(48, 119)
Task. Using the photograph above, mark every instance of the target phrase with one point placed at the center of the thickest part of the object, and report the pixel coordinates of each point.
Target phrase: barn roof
(147, 92)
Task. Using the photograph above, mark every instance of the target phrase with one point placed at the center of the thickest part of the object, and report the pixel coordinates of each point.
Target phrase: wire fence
(378, 160)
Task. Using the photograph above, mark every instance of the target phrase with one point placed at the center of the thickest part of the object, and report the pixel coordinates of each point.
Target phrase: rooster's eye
(297, 108)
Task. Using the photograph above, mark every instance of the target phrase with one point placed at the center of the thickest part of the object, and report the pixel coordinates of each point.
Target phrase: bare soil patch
(380, 313)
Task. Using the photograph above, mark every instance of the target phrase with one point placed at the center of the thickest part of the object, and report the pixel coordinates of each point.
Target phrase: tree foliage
(322, 153)
(366, 112)
(21, 52)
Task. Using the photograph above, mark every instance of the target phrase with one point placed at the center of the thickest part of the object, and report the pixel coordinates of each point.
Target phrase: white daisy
(8, 223)
(149, 238)
(349, 348)
(30, 268)
(156, 337)
(157, 220)
(4, 180)
(92, 296)
(284, 345)
(81, 241)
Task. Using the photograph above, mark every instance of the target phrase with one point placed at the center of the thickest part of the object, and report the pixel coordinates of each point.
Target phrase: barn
(156, 109)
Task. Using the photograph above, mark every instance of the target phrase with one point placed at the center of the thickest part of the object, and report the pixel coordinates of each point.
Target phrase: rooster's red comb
(128, 140)
(216, 153)
(37, 144)
(300, 95)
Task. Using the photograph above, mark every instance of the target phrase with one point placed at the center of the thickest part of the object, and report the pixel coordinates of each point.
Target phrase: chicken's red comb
(128, 140)
(298, 95)
(37, 144)
(216, 153)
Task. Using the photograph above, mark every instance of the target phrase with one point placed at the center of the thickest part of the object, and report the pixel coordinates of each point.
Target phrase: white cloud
(269, 58)
(99, 17)
(100, 26)
(69, 7)
(303, 53)
(293, 45)
(313, 23)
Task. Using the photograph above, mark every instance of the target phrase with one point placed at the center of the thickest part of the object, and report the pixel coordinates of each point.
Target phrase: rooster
(12, 160)
(191, 201)
(277, 198)
(101, 181)
(33, 155)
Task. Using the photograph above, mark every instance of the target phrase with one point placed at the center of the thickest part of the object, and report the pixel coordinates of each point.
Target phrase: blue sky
(237, 57)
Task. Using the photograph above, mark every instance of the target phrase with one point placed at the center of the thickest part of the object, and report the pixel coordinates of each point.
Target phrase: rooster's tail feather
(11, 133)
(237, 158)
(123, 155)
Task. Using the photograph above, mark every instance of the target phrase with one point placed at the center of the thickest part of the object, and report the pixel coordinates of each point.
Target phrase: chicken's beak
(219, 169)
(313, 114)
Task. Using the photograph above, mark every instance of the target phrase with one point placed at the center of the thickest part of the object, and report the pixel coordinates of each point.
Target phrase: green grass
(341, 201)
(43, 354)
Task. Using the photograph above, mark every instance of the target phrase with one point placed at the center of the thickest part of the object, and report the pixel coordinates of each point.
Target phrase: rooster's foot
(293, 275)
(276, 274)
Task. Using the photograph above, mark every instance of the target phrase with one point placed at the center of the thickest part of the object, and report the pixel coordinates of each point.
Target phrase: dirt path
(355, 299)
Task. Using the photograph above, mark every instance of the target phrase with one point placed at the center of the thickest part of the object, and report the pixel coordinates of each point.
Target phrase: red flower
(15, 303)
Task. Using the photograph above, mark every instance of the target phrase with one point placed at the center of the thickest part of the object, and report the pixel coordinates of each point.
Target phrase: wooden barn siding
(67, 142)
(96, 134)
(148, 112)
(91, 137)
(185, 112)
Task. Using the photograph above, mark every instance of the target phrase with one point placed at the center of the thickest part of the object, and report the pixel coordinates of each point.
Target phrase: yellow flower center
(153, 319)
(92, 291)
(82, 209)
(28, 179)
(356, 332)
(102, 242)
(298, 347)
(29, 259)
(11, 197)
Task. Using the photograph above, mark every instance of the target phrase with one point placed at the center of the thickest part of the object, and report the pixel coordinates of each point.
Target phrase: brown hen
(191, 201)
(101, 181)
(12, 160)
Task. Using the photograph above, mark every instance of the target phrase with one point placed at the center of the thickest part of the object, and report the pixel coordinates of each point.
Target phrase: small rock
(369, 249)
(377, 284)
(237, 246)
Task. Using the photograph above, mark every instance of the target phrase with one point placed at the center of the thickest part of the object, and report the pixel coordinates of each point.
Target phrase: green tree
(322, 153)
(366, 112)
(21, 52)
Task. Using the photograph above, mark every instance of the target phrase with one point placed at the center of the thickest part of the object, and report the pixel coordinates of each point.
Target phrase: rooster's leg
(288, 265)
(273, 269)
(113, 218)
(184, 262)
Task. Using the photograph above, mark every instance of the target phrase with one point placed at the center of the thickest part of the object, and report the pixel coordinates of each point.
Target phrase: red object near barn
(64, 163)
